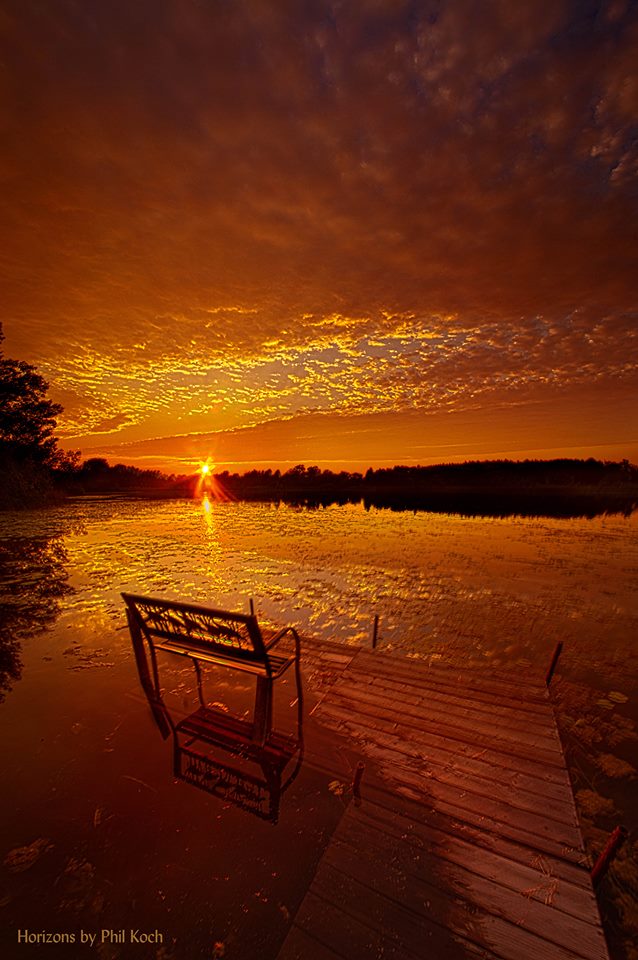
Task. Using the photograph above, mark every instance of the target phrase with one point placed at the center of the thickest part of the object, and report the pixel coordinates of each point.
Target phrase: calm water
(96, 832)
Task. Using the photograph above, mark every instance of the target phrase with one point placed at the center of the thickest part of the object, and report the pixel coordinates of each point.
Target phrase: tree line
(33, 468)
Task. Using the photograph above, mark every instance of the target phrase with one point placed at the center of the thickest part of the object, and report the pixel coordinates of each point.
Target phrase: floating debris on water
(22, 858)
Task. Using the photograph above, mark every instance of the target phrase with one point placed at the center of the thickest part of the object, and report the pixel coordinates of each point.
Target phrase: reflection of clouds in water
(482, 589)
(497, 590)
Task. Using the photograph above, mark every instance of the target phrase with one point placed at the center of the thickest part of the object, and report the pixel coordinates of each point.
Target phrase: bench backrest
(235, 635)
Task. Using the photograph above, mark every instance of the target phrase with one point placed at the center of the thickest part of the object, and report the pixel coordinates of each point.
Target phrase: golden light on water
(207, 509)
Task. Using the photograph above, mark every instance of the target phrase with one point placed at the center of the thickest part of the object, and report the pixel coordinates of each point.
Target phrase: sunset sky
(273, 232)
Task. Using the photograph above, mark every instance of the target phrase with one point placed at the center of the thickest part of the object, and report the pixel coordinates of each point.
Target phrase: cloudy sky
(345, 233)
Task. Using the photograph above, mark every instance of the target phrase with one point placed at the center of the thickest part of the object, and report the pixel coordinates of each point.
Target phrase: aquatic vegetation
(594, 733)
(22, 858)
(614, 767)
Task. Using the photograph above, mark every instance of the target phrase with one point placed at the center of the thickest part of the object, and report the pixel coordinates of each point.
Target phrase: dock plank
(479, 850)
(465, 842)
(529, 686)
(531, 778)
(363, 850)
(448, 697)
(545, 754)
(462, 918)
(415, 758)
(300, 945)
(517, 732)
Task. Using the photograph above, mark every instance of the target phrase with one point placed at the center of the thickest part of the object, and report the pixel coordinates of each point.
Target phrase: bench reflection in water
(215, 753)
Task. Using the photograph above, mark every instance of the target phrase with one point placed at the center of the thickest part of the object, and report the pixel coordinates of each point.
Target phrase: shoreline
(554, 502)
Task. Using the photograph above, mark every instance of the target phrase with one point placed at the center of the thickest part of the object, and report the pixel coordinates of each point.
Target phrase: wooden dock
(465, 842)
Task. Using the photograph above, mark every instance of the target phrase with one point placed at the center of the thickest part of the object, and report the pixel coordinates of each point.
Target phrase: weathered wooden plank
(300, 945)
(529, 693)
(401, 813)
(450, 696)
(373, 685)
(317, 644)
(532, 678)
(373, 927)
(534, 830)
(393, 721)
(485, 781)
(530, 681)
(532, 777)
(538, 778)
(518, 730)
(528, 900)
(481, 700)
(567, 862)
(507, 937)
(475, 818)
(347, 931)
(465, 842)
(399, 766)
(336, 660)
(430, 927)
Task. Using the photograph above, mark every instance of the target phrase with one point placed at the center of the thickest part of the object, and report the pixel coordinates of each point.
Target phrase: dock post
(252, 606)
(616, 839)
(356, 783)
(375, 630)
(552, 666)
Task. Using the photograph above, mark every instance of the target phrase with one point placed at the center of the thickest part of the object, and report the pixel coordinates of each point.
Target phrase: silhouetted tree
(29, 455)
(95, 465)
(27, 416)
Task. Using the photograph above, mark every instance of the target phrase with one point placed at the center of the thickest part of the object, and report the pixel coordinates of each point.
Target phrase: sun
(206, 482)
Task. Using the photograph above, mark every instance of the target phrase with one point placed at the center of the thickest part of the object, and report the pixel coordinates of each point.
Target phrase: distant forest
(559, 487)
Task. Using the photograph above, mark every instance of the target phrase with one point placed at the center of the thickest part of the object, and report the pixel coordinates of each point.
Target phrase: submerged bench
(212, 636)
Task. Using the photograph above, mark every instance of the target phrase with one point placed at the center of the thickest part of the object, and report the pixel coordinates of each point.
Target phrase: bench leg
(140, 657)
(151, 687)
(272, 776)
(198, 671)
(156, 679)
(177, 756)
(262, 722)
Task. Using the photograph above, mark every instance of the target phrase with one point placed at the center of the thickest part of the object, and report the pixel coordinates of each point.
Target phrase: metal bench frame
(211, 636)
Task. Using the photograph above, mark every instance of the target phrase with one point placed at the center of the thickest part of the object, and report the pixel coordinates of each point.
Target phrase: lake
(96, 832)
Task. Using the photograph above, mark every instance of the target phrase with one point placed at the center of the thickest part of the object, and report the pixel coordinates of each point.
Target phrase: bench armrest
(282, 633)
